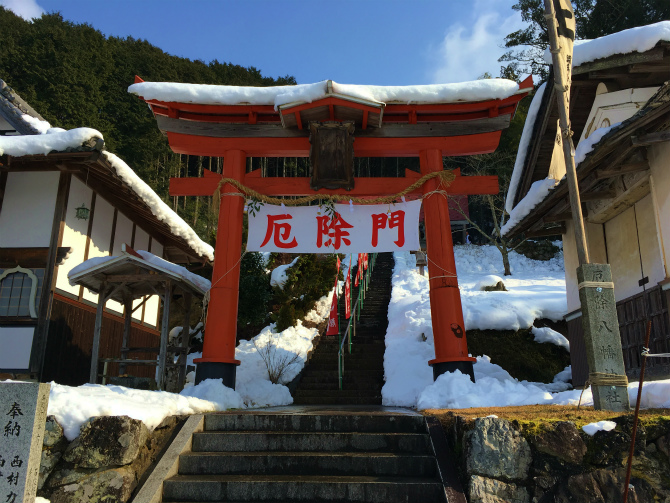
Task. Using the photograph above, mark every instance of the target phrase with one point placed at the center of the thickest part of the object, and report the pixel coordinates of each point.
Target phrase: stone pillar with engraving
(23, 413)
(602, 338)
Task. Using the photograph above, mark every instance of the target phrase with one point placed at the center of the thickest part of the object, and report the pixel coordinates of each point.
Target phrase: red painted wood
(445, 298)
(331, 101)
(280, 186)
(483, 143)
(221, 327)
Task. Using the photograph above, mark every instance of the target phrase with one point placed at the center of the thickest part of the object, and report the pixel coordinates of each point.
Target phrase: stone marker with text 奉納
(23, 412)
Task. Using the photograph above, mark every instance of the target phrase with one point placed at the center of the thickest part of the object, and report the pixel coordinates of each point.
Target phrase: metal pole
(563, 98)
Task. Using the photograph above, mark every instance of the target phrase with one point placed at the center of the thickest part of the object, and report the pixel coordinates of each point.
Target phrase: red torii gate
(429, 131)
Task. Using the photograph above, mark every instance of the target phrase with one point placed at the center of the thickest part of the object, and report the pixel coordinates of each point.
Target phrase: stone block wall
(104, 463)
(555, 462)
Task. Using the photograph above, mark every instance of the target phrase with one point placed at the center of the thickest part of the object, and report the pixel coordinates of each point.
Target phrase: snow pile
(546, 334)
(523, 146)
(160, 210)
(640, 39)
(73, 406)
(252, 382)
(536, 290)
(479, 90)
(587, 144)
(42, 144)
(487, 281)
(593, 428)
(213, 390)
(279, 276)
(536, 194)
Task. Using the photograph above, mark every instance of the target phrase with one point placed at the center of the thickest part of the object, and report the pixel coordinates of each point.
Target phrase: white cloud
(27, 9)
(469, 49)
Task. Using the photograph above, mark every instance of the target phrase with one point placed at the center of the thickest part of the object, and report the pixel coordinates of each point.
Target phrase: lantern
(82, 212)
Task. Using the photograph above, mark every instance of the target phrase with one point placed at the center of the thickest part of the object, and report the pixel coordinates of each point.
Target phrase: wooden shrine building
(331, 124)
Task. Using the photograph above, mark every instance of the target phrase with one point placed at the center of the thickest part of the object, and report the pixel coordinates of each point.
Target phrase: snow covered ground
(536, 290)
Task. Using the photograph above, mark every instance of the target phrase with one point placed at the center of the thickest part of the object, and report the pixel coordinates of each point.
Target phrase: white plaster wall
(659, 161)
(28, 209)
(624, 255)
(122, 234)
(141, 243)
(153, 304)
(74, 234)
(16, 344)
(652, 262)
(101, 236)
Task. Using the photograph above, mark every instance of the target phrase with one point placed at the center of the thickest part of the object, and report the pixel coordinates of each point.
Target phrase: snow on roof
(53, 140)
(479, 90)
(536, 194)
(640, 39)
(587, 145)
(59, 140)
(156, 262)
(160, 210)
(523, 146)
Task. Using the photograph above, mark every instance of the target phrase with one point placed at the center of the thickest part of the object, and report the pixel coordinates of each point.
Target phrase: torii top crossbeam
(428, 122)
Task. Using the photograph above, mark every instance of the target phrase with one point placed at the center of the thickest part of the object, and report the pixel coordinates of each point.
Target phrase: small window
(15, 292)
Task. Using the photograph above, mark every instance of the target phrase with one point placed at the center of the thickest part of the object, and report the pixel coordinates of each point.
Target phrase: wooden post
(95, 350)
(563, 99)
(185, 340)
(162, 355)
(128, 313)
(451, 350)
(218, 352)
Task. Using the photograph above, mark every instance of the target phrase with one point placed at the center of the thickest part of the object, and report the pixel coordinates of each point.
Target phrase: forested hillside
(75, 76)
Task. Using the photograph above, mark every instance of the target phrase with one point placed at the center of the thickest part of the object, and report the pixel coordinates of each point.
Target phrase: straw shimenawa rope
(446, 177)
(602, 379)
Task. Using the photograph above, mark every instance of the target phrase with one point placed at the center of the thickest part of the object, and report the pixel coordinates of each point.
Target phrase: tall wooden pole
(561, 79)
(95, 350)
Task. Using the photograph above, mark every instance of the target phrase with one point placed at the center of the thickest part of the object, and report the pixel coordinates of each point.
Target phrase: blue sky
(383, 42)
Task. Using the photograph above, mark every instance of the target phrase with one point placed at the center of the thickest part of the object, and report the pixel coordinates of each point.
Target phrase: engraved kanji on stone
(2, 461)
(607, 352)
(14, 411)
(612, 397)
(600, 301)
(12, 430)
(603, 327)
(597, 276)
(16, 462)
(11, 497)
(13, 478)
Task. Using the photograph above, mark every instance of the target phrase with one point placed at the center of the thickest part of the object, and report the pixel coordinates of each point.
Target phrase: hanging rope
(446, 178)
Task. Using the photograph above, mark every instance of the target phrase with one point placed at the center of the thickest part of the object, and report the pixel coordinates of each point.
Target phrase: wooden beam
(482, 143)
(135, 278)
(165, 328)
(127, 320)
(565, 216)
(598, 195)
(299, 186)
(624, 169)
(553, 231)
(95, 350)
(650, 139)
(620, 60)
(461, 127)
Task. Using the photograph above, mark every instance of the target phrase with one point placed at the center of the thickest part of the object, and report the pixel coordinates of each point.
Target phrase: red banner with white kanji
(352, 229)
(333, 324)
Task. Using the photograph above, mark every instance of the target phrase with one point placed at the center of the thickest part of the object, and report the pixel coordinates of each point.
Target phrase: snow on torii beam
(425, 130)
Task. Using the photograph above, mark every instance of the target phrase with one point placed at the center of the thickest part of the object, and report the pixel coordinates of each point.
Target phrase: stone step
(348, 372)
(406, 443)
(346, 385)
(337, 393)
(301, 488)
(307, 463)
(331, 423)
(325, 400)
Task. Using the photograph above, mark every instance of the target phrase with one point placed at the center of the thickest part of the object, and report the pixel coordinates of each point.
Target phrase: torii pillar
(218, 352)
(451, 349)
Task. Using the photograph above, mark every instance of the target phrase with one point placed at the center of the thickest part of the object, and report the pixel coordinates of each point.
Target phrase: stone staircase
(322, 456)
(364, 367)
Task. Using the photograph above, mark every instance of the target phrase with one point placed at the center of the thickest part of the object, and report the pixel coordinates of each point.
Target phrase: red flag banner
(333, 325)
(365, 261)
